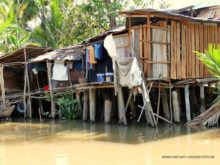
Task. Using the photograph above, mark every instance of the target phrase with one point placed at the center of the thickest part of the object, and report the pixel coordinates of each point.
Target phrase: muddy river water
(67, 143)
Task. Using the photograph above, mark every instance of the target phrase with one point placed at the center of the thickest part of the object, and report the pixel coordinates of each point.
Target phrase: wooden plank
(169, 51)
(213, 34)
(183, 57)
(205, 41)
(192, 49)
(141, 48)
(208, 42)
(201, 49)
(145, 52)
(197, 34)
(216, 34)
(148, 44)
(178, 57)
(164, 51)
(173, 50)
(189, 62)
(152, 27)
(155, 52)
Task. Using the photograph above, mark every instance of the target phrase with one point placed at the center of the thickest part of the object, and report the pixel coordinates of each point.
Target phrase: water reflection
(55, 142)
(15, 132)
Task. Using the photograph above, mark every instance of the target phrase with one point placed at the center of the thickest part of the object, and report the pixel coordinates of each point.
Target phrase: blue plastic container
(109, 77)
(100, 77)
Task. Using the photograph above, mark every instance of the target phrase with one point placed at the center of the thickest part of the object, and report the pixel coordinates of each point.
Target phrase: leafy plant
(68, 106)
(211, 59)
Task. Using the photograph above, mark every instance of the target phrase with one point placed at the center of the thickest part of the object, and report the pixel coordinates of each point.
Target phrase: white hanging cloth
(59, 71)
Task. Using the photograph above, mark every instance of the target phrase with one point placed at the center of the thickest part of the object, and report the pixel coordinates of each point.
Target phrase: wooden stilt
(92, 104)
(107, 109)
(85, 104)
(78, 99)
(39, 101)
(158, 103)
(29, 109)
(165, 104)
(170, 99)
(187, 103)
(176, 109)
(121, 107)
(202, 98)
(39, 111)
(51, 89)
(114, 104)
(24, 93)
(2, 83)
(133, 108)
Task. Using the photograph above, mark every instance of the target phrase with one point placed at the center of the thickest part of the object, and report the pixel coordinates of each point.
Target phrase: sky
(184, 3)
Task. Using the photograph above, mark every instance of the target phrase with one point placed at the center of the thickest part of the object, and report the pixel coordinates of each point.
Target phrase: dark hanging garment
(104, 65)
(99, 51)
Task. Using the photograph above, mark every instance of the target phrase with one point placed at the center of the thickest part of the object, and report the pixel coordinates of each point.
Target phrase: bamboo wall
(166, 50)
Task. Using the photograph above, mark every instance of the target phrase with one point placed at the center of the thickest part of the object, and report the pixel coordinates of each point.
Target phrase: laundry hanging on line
(59, 71)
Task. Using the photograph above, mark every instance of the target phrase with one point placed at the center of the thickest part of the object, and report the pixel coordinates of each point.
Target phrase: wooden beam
(2, 83)
(29, 109)
(49, 73)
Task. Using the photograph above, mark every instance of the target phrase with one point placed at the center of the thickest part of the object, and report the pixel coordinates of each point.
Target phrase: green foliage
(211, 59)
(68, 106)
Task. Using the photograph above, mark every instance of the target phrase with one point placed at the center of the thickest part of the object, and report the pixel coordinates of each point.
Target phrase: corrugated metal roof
(206, 4)
(72, 53)
(116, 30)
(18, 55)
(162, 13)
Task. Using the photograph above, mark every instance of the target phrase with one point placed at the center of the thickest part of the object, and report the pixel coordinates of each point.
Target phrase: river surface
(67, 143)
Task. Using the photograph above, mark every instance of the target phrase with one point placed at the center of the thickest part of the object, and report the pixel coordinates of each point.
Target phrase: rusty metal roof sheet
(18, 55)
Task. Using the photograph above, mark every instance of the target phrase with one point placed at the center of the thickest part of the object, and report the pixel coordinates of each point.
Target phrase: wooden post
(92, 104)
(176, 109)
(187, 103)
(24, 93)
(26, 76)
(39, 101)
(170, 100)
(202, 98)
(78, 99)
(85, 104)
(49, 73)
(108, 110)
(2, 83)
(158, 102)
(165, 104)
(121, 106)
(133, 108)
